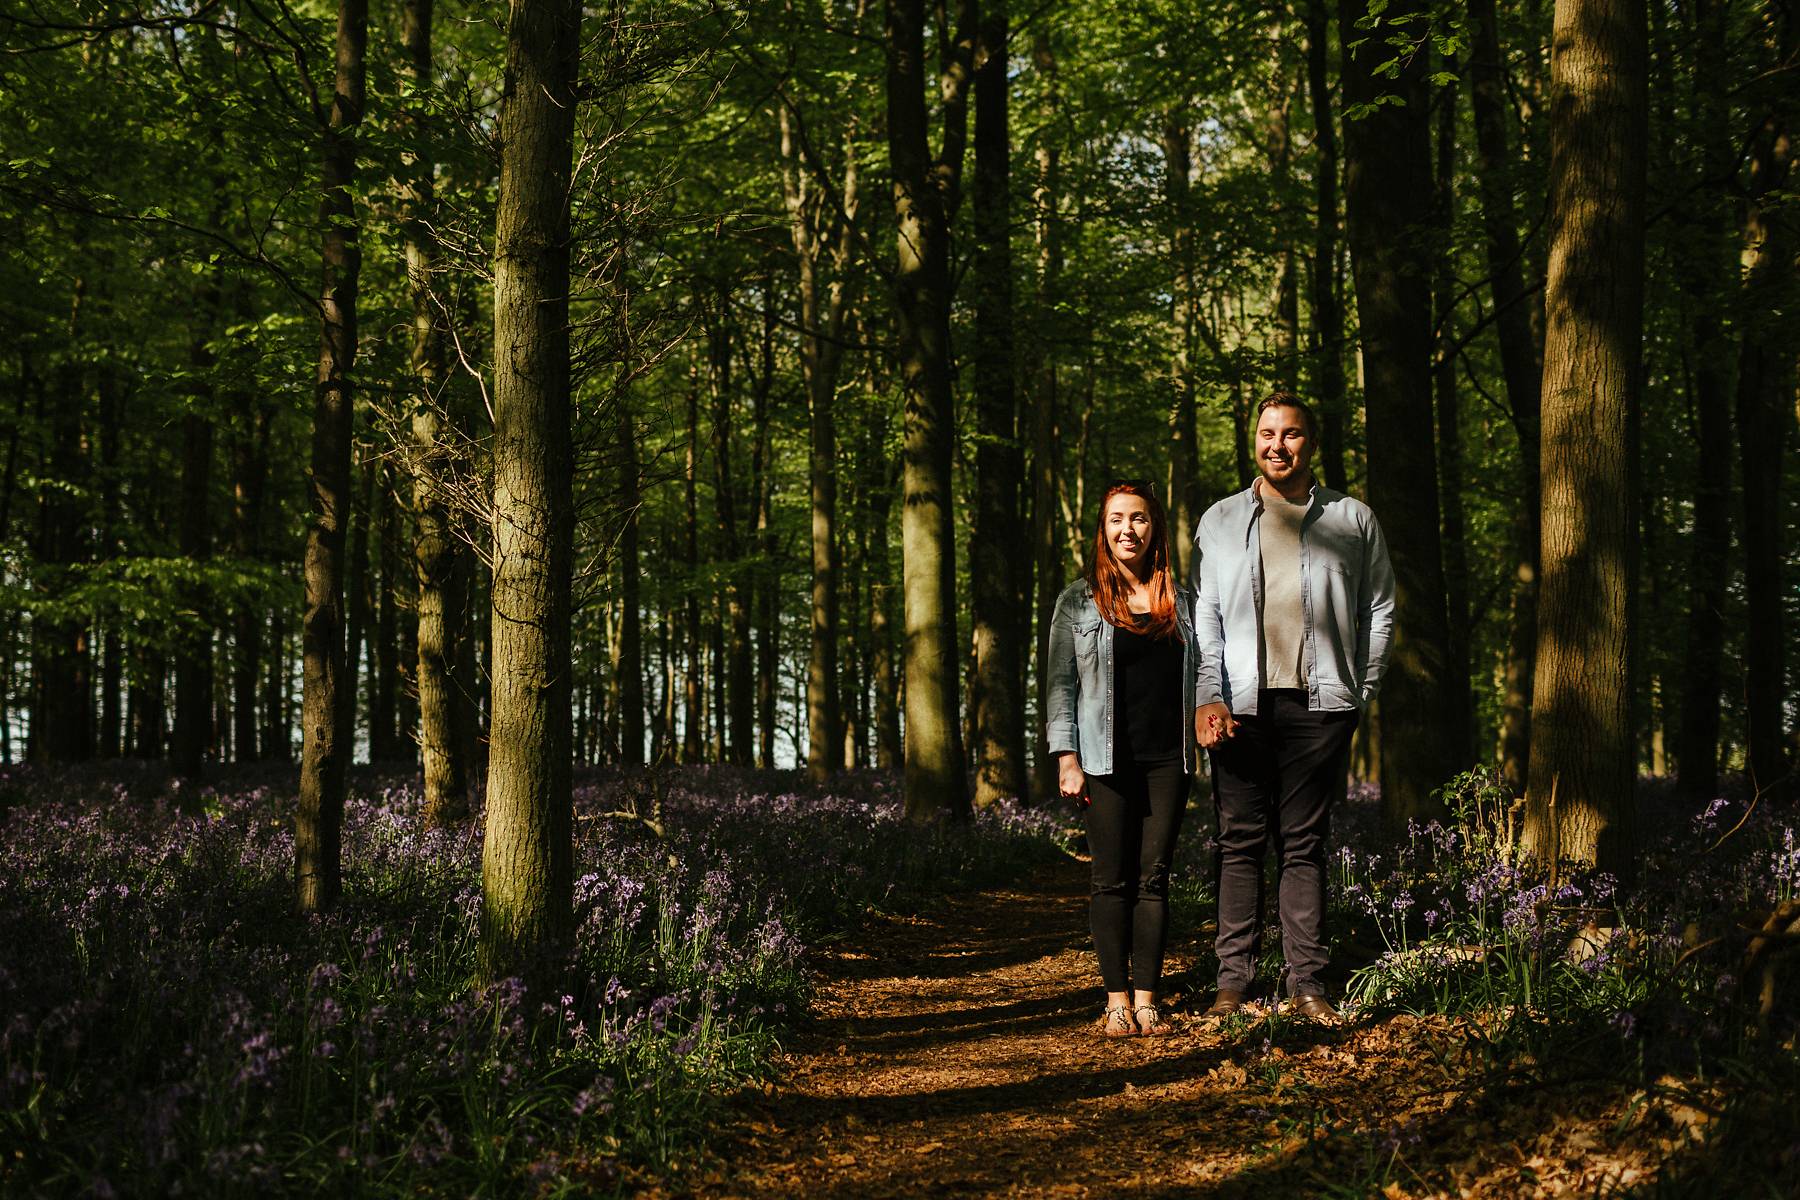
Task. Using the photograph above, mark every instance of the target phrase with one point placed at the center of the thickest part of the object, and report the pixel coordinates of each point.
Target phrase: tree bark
(325, 738)
(527, 859)
(995, 547)
(1458, 699)
(631, 625)
(768, 589)
(1765, 389)
(1580, 805)
(693, 716)
(824, 307)
(249, 482)
(1185, 500)
(384, 712)
(193, 648)
(1703, 256)
(61, 723)
(439, 564)
(735, 716)
(925, 194)
(1521, 369)
(1327, 313)
(1388, 214)
(1046, 559)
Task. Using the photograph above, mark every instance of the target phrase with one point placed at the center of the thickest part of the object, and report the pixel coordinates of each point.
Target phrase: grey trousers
(1275, 781)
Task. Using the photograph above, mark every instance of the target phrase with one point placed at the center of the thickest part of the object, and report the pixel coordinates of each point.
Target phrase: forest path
(957, 1053)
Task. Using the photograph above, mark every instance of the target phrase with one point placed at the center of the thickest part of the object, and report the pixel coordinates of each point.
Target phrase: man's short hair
(1290, 400)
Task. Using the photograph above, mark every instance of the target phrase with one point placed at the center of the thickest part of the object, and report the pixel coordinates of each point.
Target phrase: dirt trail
(956, 1053)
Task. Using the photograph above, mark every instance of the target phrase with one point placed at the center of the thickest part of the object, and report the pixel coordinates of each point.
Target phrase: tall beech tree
(926, 192)
(527, 858)
(822, 225)
(997, 555)
(1580, 805)
(438, 557)
(329, 681)
(1387, 193)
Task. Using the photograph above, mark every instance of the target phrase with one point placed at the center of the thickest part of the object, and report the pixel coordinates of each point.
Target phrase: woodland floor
(956, 1053)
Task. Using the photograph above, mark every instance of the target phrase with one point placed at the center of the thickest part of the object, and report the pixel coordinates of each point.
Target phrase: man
(1293, 612)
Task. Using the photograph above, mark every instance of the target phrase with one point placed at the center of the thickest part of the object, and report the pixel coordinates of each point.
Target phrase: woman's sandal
(1116, 1022)
(1151, 1025)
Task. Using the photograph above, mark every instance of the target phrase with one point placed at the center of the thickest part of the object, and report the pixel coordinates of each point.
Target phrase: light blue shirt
(1346, 600)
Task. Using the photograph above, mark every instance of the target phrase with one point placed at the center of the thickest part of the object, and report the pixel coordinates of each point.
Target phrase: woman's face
(1128, 530)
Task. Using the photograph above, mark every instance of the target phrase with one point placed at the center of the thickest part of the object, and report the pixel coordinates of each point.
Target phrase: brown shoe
(1116, 1022)
(1314, 1008)
(1150, 1022)
(1225, 1003)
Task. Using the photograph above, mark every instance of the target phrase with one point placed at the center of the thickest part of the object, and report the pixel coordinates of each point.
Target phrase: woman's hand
(1213, 723)
(1071, 781)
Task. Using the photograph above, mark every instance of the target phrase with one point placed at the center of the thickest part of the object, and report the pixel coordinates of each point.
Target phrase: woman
(1120, 705)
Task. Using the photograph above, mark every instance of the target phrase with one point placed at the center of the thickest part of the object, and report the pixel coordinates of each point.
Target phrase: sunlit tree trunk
(692, 704)
(1387, 196)
(1580, 804)
(995, 546)
(438, 558)
(325, 736)
(249, 482)
(527, 858)
(925, 192)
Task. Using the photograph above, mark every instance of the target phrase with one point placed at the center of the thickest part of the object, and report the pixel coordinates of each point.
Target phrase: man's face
(1283, 447)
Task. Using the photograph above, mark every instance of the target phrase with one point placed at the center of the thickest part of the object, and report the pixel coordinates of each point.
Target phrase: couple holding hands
(1266, 663)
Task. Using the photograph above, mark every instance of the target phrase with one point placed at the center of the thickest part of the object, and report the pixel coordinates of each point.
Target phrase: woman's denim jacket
(1079, 712)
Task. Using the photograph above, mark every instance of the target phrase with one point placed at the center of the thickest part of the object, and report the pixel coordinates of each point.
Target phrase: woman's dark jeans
(1132, 818)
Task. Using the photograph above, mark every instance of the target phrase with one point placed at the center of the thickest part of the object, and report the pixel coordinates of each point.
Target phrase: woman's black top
(1147, 683)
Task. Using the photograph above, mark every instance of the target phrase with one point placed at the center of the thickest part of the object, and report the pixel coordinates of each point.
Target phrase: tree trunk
(384, 741)
(60, 718)
(325, 738)
(925, 192)
(1185, 500)
(735, 715)
(1327, 314)
(249, 477)
(823, 311)
(358, 587)
(1580, 804)
(1708, 275)
(1388, 212)
(631, 625)
(1046, 561)
(1520, 368)
(693, 714)
(889, 750)
(995, 545)
(1458, 699)
(768, 589)
(112, 651)
(193, 647)
(526, 867)
(439, 564)
(1765, 389)
(277, 731)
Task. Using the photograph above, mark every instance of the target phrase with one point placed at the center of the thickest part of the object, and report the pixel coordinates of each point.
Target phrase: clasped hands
(1213, 723)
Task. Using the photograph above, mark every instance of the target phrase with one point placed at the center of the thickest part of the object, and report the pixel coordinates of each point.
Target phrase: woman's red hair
(1110, 583)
